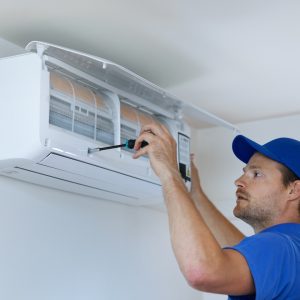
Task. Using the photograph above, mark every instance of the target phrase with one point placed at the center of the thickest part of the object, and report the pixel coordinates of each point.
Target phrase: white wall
(57, 246)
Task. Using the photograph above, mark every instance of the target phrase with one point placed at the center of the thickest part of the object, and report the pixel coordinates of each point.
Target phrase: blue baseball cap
(283, 150)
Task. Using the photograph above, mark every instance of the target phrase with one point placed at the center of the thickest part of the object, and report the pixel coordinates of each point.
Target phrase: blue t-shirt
(273, 257)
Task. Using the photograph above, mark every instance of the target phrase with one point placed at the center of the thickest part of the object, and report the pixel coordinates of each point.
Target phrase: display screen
(184, 156)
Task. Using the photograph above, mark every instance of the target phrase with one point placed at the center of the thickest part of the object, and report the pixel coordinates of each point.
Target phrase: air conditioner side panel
(20, 115)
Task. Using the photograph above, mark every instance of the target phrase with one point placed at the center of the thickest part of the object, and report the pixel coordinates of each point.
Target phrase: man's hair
(288, 176)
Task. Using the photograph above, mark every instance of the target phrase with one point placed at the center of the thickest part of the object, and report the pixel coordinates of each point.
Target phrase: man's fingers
(161, 148)
(146, 136)
(155, 129)
(141, 152)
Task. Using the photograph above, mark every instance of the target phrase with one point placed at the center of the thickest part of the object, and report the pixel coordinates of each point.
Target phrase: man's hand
(162, 150)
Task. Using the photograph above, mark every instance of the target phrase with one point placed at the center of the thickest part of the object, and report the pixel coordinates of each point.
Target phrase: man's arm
(201, 259)
(223, 230)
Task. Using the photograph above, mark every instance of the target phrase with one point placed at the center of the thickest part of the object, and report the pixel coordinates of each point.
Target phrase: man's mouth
(241, 196)
(241, 199)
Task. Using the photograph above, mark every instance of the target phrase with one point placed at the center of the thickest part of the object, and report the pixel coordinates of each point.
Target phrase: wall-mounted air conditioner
(57, 103)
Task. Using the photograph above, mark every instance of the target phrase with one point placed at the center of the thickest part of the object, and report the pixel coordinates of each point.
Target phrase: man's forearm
(224, 231)
(196, 249)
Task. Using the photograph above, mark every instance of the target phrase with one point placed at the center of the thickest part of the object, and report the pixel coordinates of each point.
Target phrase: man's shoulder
(287, 228)
(286, 231)
(272, 256)
(281, 236)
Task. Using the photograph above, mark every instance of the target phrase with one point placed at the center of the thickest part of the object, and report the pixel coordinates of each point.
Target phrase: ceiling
(237, 59)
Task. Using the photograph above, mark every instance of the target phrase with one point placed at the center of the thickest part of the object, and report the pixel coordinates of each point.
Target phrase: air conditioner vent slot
(43, 178)
(73, 182)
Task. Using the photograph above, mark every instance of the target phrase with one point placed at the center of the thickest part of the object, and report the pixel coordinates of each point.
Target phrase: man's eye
(257, 174)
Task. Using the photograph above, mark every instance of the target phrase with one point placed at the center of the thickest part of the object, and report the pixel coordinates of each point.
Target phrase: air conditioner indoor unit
(58, 103)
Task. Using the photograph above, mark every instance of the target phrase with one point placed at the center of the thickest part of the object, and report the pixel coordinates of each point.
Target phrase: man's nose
(240, 182)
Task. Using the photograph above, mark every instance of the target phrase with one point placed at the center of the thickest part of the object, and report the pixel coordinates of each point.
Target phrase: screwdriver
(129, 144)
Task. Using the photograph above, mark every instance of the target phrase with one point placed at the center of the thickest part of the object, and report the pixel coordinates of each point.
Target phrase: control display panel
(184, 156)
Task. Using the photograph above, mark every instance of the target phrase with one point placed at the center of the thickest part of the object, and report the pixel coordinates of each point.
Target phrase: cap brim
(244, 148)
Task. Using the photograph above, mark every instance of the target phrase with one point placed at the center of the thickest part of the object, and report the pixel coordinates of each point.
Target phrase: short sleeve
(268, 256)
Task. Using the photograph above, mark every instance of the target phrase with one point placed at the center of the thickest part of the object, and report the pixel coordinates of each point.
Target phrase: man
(212, 254)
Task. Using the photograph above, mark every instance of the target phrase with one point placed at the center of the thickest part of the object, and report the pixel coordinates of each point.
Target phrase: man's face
(260, 192)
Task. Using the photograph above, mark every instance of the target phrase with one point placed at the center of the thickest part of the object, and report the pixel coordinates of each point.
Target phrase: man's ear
(294, 190)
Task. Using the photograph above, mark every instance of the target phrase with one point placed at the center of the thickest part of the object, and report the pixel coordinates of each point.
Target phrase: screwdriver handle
(130, 144)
